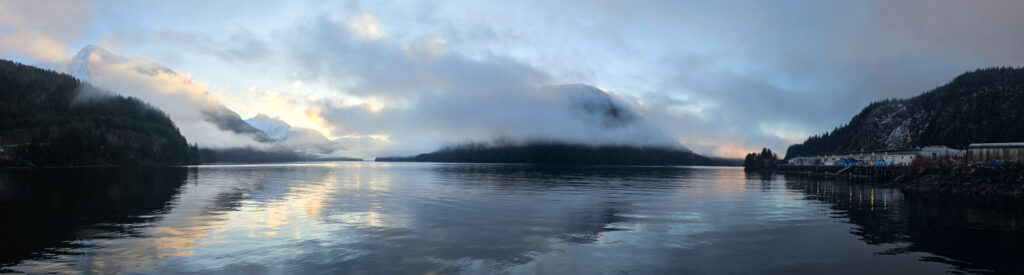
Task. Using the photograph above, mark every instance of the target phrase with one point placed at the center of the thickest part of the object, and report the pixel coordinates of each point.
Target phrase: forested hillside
(52, 119)
(981, 106)
(562, 153)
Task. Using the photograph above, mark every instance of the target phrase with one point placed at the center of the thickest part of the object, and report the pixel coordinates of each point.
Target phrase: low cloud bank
(425, 97)
(200, 117)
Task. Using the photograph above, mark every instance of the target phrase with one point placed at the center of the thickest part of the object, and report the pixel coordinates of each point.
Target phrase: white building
(942, 152)
(900, 157)
(803, 161)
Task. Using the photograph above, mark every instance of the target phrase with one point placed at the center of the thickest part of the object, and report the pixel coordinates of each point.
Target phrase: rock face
(981, 106)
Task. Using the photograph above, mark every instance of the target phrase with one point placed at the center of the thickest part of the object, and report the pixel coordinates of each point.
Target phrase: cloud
(983, 29)
(199, 116)
(567, 113)
(38, 30)
(237, 47)
(33, 45)
(329, 52)
(295, 110)
(758, 75)
(432, 98)
(719, 77)
(364, 24)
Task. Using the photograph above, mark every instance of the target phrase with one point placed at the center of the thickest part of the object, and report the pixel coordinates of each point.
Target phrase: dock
(851, 171)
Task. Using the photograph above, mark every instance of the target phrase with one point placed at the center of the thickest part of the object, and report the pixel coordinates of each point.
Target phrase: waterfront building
(804, 161)
(1006, 151)
(899, 157)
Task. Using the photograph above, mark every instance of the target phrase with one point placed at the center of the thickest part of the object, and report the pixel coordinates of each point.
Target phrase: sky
(722, 78)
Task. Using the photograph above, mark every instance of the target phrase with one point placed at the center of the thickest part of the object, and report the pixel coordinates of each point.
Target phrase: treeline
(760, 161)
(980, 106)
(248, 155)
(52, 119)
(561, 153)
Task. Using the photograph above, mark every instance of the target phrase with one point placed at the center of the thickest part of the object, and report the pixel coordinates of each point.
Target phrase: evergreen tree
(52, 119)
(758, 161)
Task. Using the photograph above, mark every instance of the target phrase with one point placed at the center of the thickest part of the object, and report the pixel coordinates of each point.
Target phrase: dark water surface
(356, 217)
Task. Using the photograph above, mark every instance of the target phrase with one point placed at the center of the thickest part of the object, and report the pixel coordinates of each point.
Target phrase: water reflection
(974, 235)
(46, 210)
(359, 217)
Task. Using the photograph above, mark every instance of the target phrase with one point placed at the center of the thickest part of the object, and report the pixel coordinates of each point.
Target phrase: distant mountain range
(603, 119)
(606, 131)
(985, 105)
(565, 153)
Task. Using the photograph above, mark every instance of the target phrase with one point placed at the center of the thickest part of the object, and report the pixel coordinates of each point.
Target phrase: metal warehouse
(1007, 151)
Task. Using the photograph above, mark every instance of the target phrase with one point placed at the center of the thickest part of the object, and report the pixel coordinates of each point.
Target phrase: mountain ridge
(983, 105)
(303, 140)
(92, 57)
(53, 119)
(541, 152)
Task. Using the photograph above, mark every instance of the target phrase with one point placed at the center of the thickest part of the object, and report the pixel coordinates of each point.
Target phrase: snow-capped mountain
(301, 140)
(92, 55)
(272, 126)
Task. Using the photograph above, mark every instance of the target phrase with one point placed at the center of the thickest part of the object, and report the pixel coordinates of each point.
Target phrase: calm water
(354, 217)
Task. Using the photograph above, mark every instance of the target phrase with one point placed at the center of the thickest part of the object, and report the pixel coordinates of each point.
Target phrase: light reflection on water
(356, 217)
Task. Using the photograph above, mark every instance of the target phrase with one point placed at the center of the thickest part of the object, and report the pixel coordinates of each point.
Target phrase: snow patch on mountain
(272, 126)
(301, 140)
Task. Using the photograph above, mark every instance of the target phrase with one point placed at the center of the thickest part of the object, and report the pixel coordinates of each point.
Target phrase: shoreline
(993, 184)
(343, 160)
(1006, 181)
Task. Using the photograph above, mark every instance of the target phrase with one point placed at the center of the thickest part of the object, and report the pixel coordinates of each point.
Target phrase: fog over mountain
(428, 97)
(721, 78)
(301, 140)
(574, 114)
(272, 126)
(475, 112)
(459, 111)
(201, 118)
